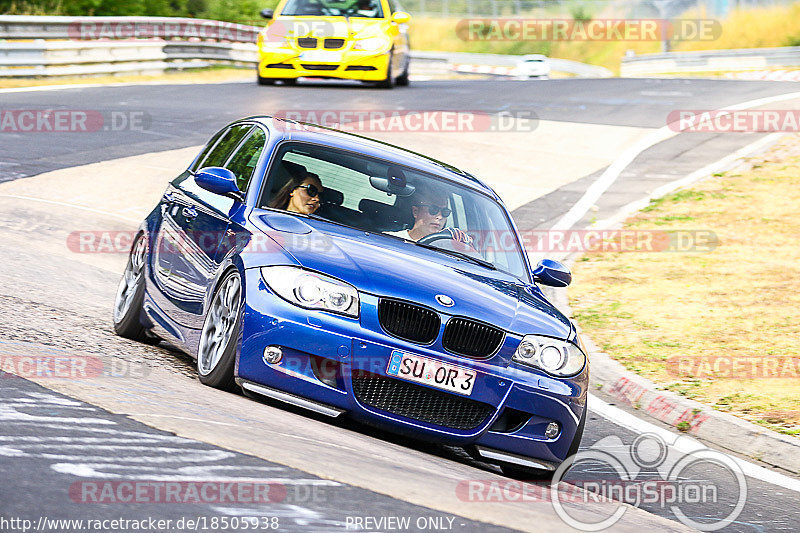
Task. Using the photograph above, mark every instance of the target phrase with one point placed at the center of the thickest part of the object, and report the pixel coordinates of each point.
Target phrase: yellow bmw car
(364, 40)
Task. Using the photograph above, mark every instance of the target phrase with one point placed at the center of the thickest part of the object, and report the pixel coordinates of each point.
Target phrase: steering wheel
(438, 236)
(451, 243)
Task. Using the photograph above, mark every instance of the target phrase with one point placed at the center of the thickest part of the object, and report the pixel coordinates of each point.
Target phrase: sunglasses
(435, 210)
(310, 188)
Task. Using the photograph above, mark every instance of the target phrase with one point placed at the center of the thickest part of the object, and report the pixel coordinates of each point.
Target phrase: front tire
(130, 296)
(262, 80)
(388, 83)
(402, 80)
(216, 355)
(522, 473)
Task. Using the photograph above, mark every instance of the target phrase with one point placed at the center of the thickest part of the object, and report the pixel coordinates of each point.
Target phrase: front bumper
(354, 65)
(325, 356)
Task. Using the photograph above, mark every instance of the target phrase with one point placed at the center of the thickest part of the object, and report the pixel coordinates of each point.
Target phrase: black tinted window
(207, 149)
(219, 154)
(244, 161)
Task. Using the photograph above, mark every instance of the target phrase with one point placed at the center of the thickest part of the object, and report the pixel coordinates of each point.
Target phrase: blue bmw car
(352, 277)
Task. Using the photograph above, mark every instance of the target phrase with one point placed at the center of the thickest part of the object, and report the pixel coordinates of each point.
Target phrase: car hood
(394, 268)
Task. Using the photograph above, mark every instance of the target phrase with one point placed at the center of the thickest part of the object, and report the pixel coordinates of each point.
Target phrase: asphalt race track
(56, 435)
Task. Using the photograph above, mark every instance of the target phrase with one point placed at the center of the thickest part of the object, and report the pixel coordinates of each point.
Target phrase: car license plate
(431, 372)
(323, 56)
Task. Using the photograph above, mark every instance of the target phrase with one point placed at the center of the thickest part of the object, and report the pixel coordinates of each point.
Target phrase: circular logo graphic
(445, 300)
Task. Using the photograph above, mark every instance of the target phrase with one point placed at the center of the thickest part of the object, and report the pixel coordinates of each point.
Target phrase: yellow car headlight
(371, 44)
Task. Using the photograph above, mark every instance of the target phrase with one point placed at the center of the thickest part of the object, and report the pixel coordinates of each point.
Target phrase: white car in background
(533, 66)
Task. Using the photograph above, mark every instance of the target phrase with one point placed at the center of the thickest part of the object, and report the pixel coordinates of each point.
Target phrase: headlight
(556, 357)
(371, 44)
(312, 290)
(273, 37)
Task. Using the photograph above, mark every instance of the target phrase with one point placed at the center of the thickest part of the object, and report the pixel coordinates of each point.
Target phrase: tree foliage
(229, 10)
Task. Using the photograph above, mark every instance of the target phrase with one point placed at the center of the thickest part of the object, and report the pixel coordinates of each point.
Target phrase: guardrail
(78, 46)
(739, 60)
(93, 28)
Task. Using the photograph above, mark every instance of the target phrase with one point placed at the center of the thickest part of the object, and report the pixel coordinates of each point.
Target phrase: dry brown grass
(741, 300)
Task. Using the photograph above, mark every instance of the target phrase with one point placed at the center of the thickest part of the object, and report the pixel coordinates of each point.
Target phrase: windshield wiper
(460, 255)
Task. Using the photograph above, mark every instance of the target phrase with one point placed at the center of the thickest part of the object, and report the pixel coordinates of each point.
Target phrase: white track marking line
(184, 418)
(74, 206)
(610, 175)
(717, 166)
(685, 444)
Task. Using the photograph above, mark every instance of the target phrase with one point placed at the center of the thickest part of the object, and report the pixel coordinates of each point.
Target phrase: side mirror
(552, 273)
(219, 181)
(400, 17)
(267, 13)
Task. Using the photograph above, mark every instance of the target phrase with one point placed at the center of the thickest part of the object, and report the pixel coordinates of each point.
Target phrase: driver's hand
(458, 235)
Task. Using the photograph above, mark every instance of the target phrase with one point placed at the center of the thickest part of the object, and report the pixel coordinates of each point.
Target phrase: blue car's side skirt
(317, 407)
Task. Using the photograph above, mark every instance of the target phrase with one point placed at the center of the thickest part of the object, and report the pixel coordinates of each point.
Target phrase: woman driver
(299, 195)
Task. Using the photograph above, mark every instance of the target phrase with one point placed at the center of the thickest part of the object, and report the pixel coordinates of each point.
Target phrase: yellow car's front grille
(319, 67)
(332, 44)
(307, 42)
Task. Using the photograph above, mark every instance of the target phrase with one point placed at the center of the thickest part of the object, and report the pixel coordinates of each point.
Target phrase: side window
(352, 183)
(219, 154)
(244, 161)
(207, 149)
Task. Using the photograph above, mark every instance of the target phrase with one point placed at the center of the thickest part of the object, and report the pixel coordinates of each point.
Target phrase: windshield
(381, 197)
(318, 8)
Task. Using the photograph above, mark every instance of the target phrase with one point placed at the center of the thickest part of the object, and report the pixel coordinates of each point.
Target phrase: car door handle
(189, 212)
(169, 198)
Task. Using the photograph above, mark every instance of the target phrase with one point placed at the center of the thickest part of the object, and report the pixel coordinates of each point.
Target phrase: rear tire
(130, 296)
(219, 337)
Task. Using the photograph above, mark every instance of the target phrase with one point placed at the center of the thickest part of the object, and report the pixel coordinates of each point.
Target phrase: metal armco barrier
(93, 28)
(77, 46)
(713, 60)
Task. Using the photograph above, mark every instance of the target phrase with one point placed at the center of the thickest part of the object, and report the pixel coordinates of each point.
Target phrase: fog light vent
(273, 355)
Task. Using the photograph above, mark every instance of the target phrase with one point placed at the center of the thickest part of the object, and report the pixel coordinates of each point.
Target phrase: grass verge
(719, 327)
(742, 28)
